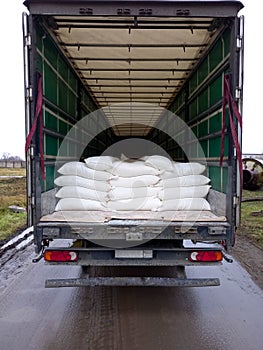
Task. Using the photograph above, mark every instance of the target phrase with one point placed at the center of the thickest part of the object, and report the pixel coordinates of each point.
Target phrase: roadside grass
(252, 218)
(12, 192)
(12, 172)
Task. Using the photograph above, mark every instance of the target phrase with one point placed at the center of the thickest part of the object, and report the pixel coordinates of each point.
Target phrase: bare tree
(7, 156)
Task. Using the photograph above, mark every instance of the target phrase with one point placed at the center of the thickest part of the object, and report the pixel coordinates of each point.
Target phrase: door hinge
(236, 200)
(239, 43)
(238, 93)
(28, 40)
(29, 93)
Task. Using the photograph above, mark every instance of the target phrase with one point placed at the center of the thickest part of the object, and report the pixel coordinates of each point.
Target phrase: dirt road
(215, 318)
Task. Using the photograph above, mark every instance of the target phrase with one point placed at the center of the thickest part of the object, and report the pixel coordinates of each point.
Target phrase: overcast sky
(12, 135)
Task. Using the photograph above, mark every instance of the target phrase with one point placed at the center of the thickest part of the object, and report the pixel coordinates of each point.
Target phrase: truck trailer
(133, 80)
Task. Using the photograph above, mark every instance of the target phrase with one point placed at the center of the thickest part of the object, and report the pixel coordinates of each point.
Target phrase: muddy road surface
(229, 317)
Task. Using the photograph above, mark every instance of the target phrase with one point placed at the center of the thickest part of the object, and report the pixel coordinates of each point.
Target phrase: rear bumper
(138, 256)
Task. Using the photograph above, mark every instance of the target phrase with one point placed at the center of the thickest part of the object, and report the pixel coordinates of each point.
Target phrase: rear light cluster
(206, 256)
(60, 255)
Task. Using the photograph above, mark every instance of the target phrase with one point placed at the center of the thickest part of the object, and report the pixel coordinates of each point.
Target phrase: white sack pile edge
(152, 183)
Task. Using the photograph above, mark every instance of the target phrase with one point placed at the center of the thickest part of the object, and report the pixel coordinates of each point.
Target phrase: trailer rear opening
(133, 80)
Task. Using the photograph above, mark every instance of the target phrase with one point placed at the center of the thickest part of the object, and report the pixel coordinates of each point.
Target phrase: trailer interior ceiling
(134, 60)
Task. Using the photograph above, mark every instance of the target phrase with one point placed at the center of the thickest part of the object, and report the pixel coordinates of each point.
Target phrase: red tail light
(206, 256)
(60, 255)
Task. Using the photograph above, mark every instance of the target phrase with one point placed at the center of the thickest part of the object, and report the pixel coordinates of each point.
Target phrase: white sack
(184, 169)
(184, 192)
(78, 204)
(189, 180)
(81, 192)
(72, 180)
(130, 193)
(169, 174)
(132, 168)
(80, 169)
(100, 163)
(185, 204)
(159, 162)
(135, 204)
(134, 181)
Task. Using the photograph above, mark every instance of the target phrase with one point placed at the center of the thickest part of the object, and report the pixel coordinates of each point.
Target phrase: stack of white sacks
(150, 183)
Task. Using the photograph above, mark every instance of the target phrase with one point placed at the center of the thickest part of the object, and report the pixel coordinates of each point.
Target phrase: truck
(133, 79)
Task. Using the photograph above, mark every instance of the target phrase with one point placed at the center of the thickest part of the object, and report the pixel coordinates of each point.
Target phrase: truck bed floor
(105, 216)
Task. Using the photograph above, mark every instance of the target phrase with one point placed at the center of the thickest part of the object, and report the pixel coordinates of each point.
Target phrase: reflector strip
(60, 255)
